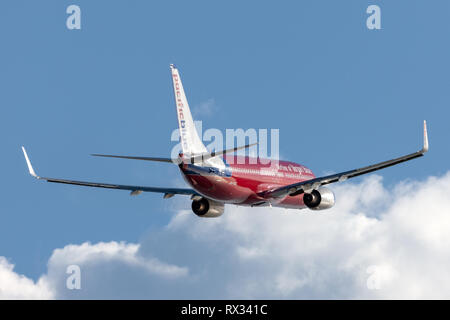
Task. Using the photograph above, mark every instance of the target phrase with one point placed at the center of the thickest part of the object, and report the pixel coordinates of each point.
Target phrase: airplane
(219, 178)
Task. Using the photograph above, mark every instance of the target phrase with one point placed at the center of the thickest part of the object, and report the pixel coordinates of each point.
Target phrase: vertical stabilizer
(190, 141)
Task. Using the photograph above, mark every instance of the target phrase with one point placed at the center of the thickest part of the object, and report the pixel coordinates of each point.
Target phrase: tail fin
(190, 141)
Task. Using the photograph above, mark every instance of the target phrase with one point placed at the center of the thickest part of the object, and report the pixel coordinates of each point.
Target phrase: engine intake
(320, 199)
(206, 208)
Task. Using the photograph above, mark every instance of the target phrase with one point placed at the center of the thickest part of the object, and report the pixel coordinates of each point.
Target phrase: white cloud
(376, 243)
(15, 286)
(111, 252)
(205, 108)
(108, 270)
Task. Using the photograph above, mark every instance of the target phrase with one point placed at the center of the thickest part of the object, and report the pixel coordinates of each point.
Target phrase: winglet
(30, 167)
(425, 137)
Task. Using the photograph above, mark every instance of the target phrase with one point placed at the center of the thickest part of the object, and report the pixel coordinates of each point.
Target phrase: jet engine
(320, 199)
(206, 208)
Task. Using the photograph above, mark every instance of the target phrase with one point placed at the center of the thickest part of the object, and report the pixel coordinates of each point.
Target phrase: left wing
(135, 190)
(309, 185)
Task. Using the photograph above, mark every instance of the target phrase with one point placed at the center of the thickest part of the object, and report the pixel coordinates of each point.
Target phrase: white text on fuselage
(296, 169)
(282, 171)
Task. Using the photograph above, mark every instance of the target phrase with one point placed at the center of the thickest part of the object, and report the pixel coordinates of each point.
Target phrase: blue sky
(342, 96)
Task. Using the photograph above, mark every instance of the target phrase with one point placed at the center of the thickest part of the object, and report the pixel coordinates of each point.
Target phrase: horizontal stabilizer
(136, 158)
(208, 155)
(199, 158)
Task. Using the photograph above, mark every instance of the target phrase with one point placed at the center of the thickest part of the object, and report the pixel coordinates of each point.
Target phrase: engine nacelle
(320, 199)
(206, 208)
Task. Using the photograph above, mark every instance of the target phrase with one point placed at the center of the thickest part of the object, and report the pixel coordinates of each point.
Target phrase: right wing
(309, 185)
(135, 190)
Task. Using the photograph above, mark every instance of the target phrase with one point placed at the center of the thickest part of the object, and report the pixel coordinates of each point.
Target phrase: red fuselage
(244, 179)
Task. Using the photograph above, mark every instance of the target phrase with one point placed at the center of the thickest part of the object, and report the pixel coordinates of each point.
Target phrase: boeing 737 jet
(219, 178)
